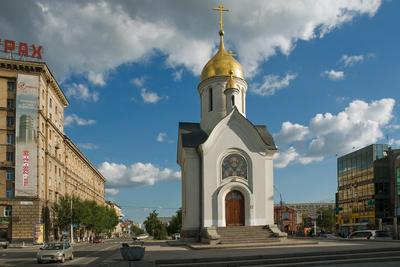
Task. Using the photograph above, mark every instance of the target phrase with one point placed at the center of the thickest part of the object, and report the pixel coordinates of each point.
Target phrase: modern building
(364, 183)
(38, 162)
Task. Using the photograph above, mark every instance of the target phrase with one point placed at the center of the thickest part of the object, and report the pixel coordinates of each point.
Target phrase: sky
(323, 76)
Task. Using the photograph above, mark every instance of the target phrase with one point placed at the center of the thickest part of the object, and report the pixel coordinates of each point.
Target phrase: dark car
(97, 239)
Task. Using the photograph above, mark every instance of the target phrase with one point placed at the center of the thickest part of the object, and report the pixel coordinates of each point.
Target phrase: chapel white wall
(260, 184)
(190, 190)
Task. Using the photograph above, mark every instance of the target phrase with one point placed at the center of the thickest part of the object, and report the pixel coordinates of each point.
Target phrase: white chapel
(226, 160)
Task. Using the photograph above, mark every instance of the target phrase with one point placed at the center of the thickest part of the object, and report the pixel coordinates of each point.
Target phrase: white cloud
(81, 92)
(272, 83)
(137, 174)
(149, 96)
(161, 137)
(283, 158)
(394, 142)
(74, 119)
(393, 126)
(358, 125)
(88, 146)
(333, 75)
(138, 81)
(177, 75)
(291, 132)
(99, 36)
(112, 191)
(96, 78)
(350, 60)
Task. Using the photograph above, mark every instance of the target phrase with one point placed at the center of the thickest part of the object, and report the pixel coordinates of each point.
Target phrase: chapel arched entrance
(234, 208)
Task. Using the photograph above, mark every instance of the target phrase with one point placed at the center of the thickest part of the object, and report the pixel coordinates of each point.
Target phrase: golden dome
(222, 63)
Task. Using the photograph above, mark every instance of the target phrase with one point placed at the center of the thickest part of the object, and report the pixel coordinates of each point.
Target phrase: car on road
(58, 252)
(97, 239)
(140, 237)
(370, 235)
(4, 243)
(176, 236)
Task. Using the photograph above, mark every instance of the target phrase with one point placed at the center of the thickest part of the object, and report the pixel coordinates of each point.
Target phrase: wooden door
(234, 208)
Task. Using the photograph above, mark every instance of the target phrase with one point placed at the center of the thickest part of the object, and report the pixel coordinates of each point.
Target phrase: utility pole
(72, 227)
(281, 208)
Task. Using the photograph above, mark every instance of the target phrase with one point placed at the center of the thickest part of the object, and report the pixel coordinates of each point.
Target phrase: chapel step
(245, 234)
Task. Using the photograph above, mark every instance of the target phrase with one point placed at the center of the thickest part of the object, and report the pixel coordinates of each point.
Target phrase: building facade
(38, 162)
(286, 218)
(226, 161)
(364, 183)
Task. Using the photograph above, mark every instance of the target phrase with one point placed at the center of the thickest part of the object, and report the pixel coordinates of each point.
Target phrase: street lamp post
(281, 208)
(72, 226)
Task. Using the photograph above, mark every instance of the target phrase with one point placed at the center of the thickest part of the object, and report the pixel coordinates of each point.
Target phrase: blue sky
(131, 74)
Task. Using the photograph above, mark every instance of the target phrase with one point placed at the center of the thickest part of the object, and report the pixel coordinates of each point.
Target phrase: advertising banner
(26, 135)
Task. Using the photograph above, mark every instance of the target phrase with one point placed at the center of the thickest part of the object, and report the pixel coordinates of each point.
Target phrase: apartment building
(38, 162)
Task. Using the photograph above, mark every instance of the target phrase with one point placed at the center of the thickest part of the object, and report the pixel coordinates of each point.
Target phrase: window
(234, 165)
(10, 121)
(9, 193)
(7, 211)
(10, 103)
(233, 100)
(10, 156)
(10, 139)
(210, 99)
(51, 103)
(11, 86)
(10, 175)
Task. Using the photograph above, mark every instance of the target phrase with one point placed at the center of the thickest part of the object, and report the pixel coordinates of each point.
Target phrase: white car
(140, 237)
(370, 235)
(176, 236)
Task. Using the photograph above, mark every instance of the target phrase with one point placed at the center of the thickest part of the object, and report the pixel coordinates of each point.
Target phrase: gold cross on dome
(221, 9)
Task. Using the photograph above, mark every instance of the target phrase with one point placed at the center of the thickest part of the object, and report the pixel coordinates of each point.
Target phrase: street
(85, 255)
(159, 253)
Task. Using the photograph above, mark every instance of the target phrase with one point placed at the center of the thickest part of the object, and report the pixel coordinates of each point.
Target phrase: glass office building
(363, 187)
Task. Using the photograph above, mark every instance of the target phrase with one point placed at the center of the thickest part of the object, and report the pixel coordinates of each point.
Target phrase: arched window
(210, 99)
(234, 165)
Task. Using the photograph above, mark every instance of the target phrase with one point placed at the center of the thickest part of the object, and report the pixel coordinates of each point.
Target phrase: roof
(191, 134)
(265, 135)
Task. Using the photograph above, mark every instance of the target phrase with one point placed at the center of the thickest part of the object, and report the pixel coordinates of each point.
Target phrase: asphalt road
(85, 255)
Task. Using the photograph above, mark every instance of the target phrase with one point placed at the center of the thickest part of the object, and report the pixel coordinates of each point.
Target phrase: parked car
(370, 235)
(4, 243)
(58, 252)
(176, 236)
(140, 237)
(97, 239)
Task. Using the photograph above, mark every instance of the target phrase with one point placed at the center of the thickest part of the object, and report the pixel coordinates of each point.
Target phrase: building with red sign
(38, 162)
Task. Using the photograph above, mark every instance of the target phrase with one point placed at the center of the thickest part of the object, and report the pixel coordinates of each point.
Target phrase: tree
(160, 232)
(85, 214)
(152, 222)
(326, 219)
(175, 223)
(135, 230)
